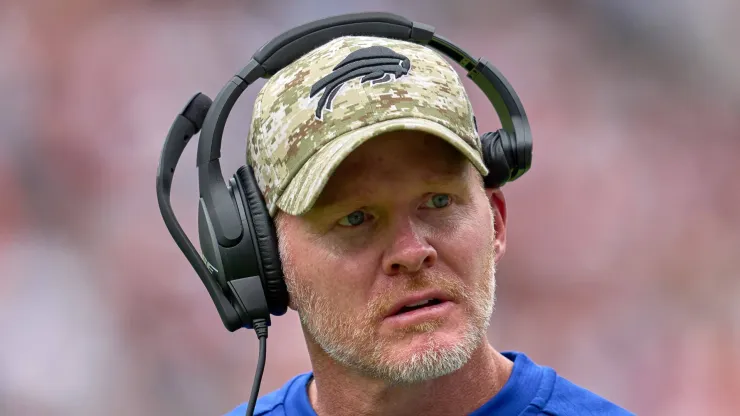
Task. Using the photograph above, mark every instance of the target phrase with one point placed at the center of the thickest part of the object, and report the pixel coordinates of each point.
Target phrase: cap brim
(306, 186)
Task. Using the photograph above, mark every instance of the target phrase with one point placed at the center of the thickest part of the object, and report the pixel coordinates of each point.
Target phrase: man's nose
(409, 252)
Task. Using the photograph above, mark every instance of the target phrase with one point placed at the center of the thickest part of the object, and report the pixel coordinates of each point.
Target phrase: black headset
(241, 265)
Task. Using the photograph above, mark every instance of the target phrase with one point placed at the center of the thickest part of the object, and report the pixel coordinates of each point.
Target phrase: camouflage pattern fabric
(310, 115)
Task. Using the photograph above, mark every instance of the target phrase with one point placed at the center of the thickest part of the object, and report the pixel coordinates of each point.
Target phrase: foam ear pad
(267, 245)
(495, 146)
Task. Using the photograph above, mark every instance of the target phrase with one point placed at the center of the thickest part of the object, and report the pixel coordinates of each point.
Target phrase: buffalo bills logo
(376, 64)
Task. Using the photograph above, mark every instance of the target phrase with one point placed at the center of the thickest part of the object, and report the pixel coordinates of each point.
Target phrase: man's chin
(425, 352)
(424, 328)
(438, 339)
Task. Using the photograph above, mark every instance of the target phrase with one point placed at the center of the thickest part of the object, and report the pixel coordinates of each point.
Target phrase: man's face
(404, 215)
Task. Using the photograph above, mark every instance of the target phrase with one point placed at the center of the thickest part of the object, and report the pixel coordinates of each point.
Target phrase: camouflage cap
(313, 113)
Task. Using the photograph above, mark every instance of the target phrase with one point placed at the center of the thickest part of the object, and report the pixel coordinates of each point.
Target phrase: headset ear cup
(496, 158)
(267, 246)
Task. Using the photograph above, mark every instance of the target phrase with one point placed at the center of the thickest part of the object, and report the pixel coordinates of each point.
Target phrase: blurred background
(623, 262)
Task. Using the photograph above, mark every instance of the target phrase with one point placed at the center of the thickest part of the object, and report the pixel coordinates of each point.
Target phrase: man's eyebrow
(445, 178)
(334, 206)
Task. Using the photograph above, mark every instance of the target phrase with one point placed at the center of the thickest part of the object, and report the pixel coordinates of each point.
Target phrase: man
(389, 240)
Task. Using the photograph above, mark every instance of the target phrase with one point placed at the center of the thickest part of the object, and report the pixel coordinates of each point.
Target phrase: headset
(240, 265)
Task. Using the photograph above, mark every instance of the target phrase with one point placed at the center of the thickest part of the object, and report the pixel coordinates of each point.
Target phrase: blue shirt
(531, 390)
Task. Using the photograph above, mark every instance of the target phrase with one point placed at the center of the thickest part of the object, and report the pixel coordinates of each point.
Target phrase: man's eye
(352, 220)
(438, 201)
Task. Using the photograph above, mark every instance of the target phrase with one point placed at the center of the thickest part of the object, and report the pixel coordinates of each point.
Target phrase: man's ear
(498, 209)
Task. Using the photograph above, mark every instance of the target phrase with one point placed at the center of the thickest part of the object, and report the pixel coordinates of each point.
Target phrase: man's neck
(336, 391)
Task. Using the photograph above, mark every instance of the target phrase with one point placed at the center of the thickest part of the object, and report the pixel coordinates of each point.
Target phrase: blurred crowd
(623, 261)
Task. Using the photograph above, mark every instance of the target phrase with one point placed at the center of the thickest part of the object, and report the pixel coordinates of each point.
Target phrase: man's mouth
(419, 311)
(418, 305)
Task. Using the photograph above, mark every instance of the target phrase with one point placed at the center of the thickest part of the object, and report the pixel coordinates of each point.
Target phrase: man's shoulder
(568, 398)
(275, 402)
(535, 389)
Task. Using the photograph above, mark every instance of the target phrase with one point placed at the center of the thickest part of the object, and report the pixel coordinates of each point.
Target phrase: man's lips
(419, 301)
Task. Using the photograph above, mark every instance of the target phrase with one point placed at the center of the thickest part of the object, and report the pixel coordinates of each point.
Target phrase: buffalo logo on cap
(376, 63)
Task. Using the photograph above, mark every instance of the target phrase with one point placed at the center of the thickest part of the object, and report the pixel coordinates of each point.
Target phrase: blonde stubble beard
(353, 342)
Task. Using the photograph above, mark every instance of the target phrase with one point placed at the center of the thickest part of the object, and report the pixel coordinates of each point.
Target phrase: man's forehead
(357, 182)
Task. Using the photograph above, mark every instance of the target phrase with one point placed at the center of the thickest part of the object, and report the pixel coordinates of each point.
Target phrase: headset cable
(260, 327)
